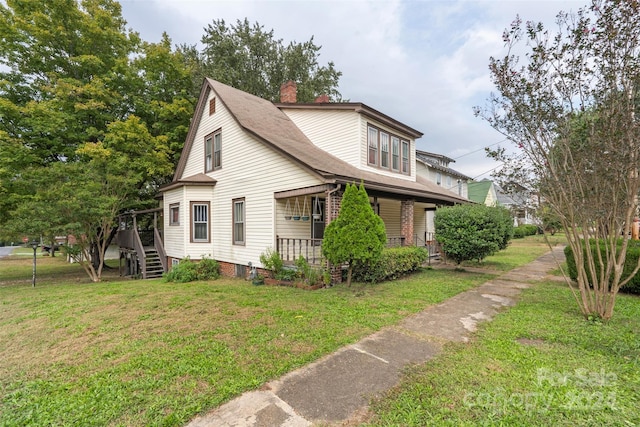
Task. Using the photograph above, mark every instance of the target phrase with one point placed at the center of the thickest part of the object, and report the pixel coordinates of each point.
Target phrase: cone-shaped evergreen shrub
(357, 236)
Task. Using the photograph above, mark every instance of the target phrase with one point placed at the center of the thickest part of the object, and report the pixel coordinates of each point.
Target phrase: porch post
(406, 218)
(332, 209)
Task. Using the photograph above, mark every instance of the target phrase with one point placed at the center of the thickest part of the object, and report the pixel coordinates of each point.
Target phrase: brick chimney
(322, 99)
(288, 92)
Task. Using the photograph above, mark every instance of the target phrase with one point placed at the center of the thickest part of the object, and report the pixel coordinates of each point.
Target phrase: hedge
(525, 230)
(393, 263)
(631, 260)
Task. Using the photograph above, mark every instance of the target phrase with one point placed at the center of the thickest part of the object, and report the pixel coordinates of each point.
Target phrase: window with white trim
(238, 222)
(200, 222)
(438, 178)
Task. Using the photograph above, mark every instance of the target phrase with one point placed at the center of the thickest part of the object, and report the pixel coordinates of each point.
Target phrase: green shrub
(188, 271)
(271, 260)
(472, 232)
(393, 263)
(525, 230)
(631, 260)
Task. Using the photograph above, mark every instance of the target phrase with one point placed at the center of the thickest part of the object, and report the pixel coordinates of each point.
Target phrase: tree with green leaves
(251, 59)
(571, 109)
(74, 78)
(472, 232)
(357, 236)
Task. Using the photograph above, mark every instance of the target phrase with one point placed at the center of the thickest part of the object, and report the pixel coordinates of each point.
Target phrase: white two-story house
(254, 175)
(435, 168)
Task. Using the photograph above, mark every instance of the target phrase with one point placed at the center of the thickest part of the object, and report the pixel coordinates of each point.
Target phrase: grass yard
(127, 352)
(537, 364)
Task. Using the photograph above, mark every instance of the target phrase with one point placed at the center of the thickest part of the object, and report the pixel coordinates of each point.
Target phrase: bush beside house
(393, 263)
(472, 232)
(631, 260)
(189, 271)
(357, 236)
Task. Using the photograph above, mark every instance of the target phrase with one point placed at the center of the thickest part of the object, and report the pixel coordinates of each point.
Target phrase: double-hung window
(405, 156)
(372, 141)
(395, 153)
(213, 151)
(238, 222)
(384, 150)
(200, 222)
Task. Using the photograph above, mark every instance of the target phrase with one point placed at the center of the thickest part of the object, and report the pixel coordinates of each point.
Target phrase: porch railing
(394, 242)
(290, 249)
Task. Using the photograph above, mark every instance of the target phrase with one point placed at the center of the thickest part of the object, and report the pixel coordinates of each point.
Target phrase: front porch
(302, 215)
(142, 252)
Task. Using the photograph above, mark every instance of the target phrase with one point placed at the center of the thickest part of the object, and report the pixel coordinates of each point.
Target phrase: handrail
(142, 256)
(157, 244)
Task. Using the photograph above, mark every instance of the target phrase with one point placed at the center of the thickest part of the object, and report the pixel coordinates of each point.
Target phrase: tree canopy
(93, 119)
(570, 107)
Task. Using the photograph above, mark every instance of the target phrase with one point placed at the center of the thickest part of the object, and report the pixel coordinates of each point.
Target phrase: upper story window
(449, 185)
(387, 151)
(405, 157)
(438, 178)
(213, 151)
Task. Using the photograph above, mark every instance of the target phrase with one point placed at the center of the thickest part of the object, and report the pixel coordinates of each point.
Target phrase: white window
(449, 185)
(208, 154)
(200, 222)
(238, 222)
(438, 178)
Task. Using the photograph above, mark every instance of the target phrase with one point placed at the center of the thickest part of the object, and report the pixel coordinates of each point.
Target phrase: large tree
(251, 59)
(571, 110)
(73, 77)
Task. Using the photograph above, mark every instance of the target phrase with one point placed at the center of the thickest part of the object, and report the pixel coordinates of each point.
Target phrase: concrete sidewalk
(337, 388)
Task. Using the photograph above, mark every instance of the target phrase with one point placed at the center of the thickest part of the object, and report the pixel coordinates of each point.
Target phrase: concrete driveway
(6, 250)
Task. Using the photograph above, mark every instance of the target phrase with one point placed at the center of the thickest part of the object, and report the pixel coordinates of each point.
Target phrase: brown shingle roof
(265, 121)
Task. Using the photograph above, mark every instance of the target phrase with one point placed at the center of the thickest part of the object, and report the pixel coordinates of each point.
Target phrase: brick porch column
(406, 218)
(332, 209)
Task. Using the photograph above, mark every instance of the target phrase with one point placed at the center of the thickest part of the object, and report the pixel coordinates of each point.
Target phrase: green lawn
(538, 364)
(125, 352)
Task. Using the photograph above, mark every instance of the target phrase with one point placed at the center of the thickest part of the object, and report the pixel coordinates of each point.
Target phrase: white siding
(250, 170)
(336, 132)
(174, 234)
(390, 212)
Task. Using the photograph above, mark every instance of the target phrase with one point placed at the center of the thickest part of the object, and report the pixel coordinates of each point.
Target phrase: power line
(480, 149)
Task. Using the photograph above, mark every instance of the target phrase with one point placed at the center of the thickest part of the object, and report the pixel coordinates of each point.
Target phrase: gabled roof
(270, 125)
(478, 190)
(427, 158)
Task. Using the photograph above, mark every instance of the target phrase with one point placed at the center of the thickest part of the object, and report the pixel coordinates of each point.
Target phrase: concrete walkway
(337, 388)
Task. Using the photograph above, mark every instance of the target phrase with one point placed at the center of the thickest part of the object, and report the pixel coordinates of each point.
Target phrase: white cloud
(424, 63)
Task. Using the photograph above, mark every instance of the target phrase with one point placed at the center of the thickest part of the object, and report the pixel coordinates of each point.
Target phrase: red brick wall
(406, 224)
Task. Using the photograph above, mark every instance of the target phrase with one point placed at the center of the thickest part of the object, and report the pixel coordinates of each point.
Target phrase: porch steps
(153, 264)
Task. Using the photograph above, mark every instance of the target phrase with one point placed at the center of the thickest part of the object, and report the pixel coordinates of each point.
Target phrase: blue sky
(425, 63)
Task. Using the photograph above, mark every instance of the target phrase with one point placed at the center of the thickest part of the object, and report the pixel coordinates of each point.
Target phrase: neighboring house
(483, 192)
(521, 202)
(254, 175)
(435, 168)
